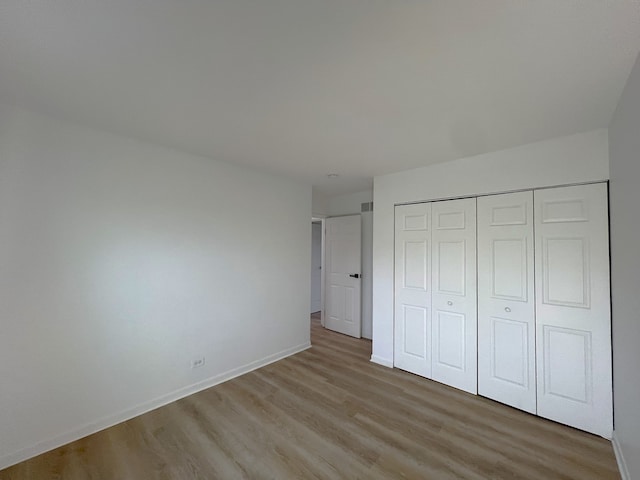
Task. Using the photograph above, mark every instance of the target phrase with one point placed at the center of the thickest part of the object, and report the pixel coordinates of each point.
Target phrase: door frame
(606, 183)
(321, 219)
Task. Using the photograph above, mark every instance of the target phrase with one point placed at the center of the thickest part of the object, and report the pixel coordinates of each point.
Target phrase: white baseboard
(622, 465)
(382, 361)
(122, 416)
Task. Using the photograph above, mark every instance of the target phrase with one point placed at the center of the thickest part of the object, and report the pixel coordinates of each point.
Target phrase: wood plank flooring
(329, 413)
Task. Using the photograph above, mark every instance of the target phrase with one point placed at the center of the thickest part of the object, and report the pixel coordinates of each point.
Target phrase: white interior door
(342, 276)
(454, 309)
(573, 318)
(412, 324)
(506, 302)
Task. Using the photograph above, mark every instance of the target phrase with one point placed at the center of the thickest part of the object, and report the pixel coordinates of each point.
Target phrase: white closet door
(506, 302)
(454, 341)
(573, 318)
(412, 336)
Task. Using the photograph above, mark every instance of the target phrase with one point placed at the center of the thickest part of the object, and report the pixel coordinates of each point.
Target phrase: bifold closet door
(506, 302)
(573, 317)
(412, 325)
(454, 309)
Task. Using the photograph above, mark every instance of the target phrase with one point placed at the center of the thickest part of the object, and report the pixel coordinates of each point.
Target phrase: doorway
(316, 266)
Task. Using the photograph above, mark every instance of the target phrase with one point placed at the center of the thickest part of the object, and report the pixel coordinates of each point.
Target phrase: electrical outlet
(197, 362)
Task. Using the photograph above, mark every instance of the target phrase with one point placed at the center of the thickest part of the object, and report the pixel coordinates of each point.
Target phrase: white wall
(120, 262)
(347, 204)
(367, 275)
(319, 204)
(624, 148)
(573, 159)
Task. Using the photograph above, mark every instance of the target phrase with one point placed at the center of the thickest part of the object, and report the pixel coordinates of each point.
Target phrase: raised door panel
(415, 259)
(573, 318)
(454, 319)
(335, 303)
(451, 267)
(412, 309)
(506, 306)
(565, 264)
(450, 336)
(567, 376)
(415, 321)
(509, 348)
(509, 268)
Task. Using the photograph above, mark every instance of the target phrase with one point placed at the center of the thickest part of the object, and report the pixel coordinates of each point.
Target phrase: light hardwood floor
(329, 413)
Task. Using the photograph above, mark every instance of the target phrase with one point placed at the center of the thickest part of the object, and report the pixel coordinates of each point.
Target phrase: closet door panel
(506, 304)
(454, 326)
(412, 312)
(573, 318)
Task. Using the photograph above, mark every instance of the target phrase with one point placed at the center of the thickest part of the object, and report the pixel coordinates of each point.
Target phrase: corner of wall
(622, 464)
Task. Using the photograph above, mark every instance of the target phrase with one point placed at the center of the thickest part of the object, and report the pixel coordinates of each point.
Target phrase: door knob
(449, 303)
(354, 275)
(507, 309)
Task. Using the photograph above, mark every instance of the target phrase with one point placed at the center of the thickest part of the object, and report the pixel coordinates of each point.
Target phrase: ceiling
(309, 87)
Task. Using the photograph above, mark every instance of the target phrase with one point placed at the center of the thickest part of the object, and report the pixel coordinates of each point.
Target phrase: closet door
(506, 303)
(412, 325)
(573, 318)
(454, 342)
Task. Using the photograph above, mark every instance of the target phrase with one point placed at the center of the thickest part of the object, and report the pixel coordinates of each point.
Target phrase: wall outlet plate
(197, 362)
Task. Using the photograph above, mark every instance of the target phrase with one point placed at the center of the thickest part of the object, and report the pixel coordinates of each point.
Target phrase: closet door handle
(449, 303)
(507, 309)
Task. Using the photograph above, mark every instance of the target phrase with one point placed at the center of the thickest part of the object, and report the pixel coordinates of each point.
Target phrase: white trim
(519, 190)
(122, 416)
(622, 465)
(382, 361)
(322, 269)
